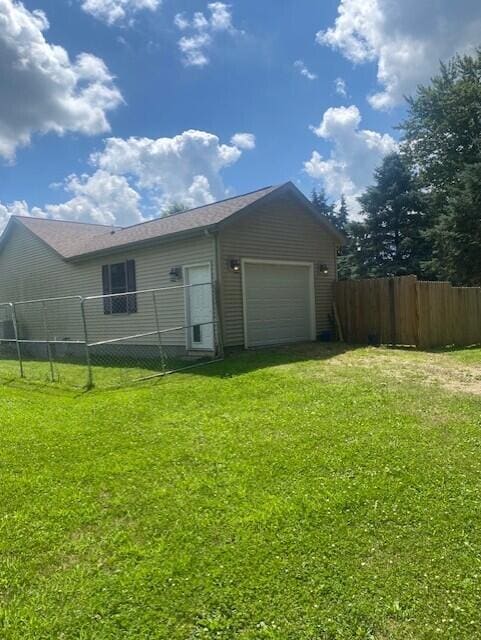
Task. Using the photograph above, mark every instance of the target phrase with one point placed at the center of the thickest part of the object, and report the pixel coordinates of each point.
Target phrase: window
(116, 279)
(196, 333)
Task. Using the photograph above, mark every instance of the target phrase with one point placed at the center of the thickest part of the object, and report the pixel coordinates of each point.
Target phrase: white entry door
(200, 334)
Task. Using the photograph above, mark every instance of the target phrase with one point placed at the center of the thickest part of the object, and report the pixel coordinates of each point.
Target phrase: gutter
(219, 288)
(171, 237)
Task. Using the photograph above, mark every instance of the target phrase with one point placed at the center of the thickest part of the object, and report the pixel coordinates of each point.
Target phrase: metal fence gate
(110, 340)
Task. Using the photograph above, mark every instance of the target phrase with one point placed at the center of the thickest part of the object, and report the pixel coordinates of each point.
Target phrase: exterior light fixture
(235, 265)
(324, 269)
(175, 274)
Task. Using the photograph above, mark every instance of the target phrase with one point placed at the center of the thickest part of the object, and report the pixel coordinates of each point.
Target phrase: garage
(278, 302)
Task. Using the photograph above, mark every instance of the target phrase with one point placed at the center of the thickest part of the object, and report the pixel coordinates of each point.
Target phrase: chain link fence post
(217, 324)
(159, 335)
(90, 381)
(17, 342)
(49, 350)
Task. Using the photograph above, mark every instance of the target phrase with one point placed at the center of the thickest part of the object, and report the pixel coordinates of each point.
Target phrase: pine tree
(390, 240)
(174, 208)
(319, 200)
(337, 218)
(459, 230)
(351, 263)
(346, 257)
(342, 214)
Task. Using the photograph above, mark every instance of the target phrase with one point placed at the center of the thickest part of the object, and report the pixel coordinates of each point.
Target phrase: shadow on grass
(126, 373)
(448, 349)
(454, 349)
(241, 361)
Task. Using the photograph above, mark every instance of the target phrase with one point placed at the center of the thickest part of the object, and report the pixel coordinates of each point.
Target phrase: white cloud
(354, 156)
(186, 168)
(341, 88)
(405, 38)
(18, 208)
(245, 141)
(304, 71)
(194, 47)
(136, 178)
(116, 11)
(221, 17)
(181, 22)
(42, 89)
(101, 198)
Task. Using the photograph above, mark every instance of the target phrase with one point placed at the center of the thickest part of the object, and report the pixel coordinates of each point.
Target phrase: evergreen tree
(351, 262)
(346, 267)
(319, 200)
(173, 208)
(390, 240)
(459, 230)
(342, 214)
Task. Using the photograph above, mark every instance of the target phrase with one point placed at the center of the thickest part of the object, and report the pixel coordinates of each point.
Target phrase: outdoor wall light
(324, 269)
(235, 265)
(175, 274)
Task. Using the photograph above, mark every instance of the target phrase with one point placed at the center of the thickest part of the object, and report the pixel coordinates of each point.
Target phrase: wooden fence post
(392, 311)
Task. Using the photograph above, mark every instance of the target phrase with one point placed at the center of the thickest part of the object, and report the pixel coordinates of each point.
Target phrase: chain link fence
(110, 340)
(10, 358)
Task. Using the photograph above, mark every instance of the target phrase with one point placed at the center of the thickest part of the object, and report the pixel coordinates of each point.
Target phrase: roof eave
(6, 231)
(178, 235)
(18, 220)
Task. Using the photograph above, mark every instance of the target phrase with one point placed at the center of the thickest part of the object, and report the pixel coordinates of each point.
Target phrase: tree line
(422, 214)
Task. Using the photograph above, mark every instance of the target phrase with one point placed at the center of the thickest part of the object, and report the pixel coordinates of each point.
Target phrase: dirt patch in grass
(425, 368)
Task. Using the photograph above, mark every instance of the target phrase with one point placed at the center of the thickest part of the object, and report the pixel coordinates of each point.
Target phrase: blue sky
(248, 82)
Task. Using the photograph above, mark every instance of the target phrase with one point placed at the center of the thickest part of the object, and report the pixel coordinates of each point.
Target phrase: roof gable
(290, 190)
(63, 236)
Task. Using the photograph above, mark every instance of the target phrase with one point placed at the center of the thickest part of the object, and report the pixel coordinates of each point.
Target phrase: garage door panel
(282, 294)
(286, 284)
(278, 303)
(257, 315)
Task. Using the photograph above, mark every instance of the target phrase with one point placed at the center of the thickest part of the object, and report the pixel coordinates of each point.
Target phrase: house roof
(75, 240)
(65, 237)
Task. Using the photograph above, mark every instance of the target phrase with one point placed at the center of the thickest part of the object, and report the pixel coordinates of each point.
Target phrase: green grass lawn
(310, 494)
(108, 371)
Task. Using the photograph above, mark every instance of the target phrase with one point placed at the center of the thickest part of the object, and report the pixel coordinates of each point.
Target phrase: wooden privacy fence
(405, 311)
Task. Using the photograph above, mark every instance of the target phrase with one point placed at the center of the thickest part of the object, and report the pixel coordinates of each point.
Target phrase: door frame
(292, 263)
(188, 331)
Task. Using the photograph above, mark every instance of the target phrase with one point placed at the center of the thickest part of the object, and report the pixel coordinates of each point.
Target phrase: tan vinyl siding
(280, 231)
(29, 269)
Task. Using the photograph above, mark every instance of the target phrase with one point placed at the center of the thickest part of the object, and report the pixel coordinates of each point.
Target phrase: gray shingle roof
(73, 239)
(64, 236)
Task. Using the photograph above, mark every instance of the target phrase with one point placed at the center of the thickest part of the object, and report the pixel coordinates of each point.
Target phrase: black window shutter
(131, 286)
(106, 289)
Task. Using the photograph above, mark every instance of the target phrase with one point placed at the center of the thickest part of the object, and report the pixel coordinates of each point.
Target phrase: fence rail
(405, 311)
(83, 341)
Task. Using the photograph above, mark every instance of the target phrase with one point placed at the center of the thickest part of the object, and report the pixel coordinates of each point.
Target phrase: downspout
(218, 288)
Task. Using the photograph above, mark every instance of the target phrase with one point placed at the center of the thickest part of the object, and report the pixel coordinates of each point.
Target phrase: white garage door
(278, 303)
